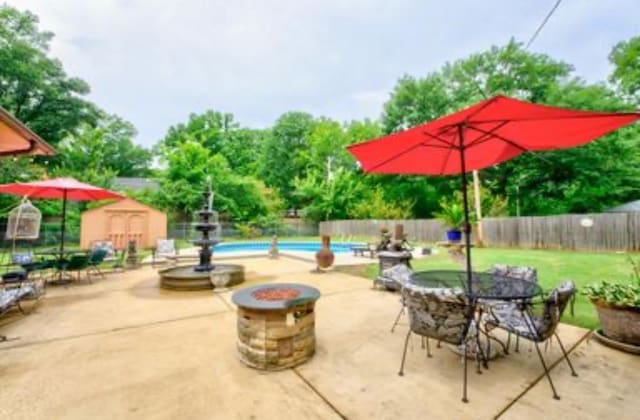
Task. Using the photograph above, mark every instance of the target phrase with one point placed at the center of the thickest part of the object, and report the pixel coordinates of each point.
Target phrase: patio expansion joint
(541, 376)
(319, 394)
(110, 331)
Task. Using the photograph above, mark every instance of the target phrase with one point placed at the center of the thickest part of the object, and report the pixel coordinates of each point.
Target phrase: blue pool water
(337, 247)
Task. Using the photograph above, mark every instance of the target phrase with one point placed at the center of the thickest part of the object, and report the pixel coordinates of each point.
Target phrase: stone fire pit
(276, 325)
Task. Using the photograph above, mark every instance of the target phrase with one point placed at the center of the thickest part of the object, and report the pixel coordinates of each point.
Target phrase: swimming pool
(337, 247)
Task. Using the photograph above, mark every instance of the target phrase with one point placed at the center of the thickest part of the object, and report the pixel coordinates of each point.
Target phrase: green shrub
(617, 294)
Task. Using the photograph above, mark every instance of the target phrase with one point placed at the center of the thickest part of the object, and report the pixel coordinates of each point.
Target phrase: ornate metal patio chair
(538, 328)
(509, 272)
(441, 314)
(394, 279)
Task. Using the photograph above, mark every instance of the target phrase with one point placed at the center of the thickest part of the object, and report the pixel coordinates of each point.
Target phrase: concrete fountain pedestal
(205, 275)
(186, 278)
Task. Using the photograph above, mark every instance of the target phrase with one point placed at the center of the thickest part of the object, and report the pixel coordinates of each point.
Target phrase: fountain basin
(186, 278)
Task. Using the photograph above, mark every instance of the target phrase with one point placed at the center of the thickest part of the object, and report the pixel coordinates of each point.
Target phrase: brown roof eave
(36, 145)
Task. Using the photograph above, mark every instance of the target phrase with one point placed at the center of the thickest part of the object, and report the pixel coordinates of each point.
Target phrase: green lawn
(553, 267)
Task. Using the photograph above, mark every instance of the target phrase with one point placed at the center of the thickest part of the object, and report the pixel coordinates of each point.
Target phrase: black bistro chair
(96, 257)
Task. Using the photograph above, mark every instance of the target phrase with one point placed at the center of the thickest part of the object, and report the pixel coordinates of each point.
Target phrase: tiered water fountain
(205, 275)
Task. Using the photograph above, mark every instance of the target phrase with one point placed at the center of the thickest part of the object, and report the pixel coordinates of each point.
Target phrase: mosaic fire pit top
(275, 296)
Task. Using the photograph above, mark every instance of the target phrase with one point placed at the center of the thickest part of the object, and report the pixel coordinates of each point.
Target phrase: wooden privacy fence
(610, 231)
(424, 230)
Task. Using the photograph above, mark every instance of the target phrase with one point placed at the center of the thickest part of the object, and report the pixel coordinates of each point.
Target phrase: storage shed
(121, 222)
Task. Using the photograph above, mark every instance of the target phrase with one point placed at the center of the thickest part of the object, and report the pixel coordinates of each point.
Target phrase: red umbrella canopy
(487, 133)
(55, 188)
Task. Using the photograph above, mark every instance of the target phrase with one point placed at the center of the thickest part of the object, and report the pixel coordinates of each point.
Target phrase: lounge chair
(11, 297)
(164, 248)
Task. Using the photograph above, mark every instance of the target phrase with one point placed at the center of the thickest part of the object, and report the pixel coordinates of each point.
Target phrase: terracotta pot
(619, 323)
(324, 256)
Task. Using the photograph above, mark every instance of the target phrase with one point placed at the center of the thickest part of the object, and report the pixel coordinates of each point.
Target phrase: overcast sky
(154, 62)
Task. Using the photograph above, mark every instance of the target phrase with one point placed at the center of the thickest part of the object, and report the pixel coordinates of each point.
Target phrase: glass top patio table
(483, 285)
(57, 252)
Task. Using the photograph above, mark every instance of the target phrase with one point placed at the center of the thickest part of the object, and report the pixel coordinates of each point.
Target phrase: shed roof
(135, 184)
(629, 207)
(120, 204)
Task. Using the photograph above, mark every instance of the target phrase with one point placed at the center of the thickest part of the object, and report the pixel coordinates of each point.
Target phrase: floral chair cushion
(443, 314)
(511, 318)
(393, 278)
(19, 258)
(518, 272)
(10, 297)
(509, 272)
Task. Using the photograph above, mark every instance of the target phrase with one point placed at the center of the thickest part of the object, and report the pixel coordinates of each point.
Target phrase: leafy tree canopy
(625, 57)
(33, 86)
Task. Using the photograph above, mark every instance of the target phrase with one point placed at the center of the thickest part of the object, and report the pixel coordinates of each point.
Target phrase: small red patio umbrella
(64, 188)
(483, 135)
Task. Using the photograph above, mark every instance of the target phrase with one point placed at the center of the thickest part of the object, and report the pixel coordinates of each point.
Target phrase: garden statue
(273, 249)
(132, 254)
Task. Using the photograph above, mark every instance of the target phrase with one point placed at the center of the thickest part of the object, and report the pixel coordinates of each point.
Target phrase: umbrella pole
(465, 204)
(63, 224)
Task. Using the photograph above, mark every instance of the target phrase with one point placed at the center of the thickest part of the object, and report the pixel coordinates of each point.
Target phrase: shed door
(116, 229)
(137, 229)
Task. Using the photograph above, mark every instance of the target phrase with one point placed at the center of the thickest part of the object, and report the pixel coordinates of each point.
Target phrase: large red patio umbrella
(483, 135)
(64, 188)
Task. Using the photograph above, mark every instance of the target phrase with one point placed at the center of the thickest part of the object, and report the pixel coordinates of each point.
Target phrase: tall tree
(547, 183)
(220, 134)
(625, 57)
(188, 167)
(106, 146)
(33, 86)
(283, 153)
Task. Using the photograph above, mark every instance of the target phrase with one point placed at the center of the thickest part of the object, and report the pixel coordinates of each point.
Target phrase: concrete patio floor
(123, 348)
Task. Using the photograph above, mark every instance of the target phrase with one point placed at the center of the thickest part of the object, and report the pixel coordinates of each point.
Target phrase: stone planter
(619, 322)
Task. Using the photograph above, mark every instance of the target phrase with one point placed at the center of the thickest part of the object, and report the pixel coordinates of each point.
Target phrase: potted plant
(452, 215)
(618, 307)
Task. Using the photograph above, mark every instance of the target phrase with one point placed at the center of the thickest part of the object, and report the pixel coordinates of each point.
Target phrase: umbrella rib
(437, 138)
(497, 136)
(445, 161)
(487, 135)
(566, 117)
(384, 162)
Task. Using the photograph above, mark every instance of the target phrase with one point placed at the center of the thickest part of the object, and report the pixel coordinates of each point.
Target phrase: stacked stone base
(276, 339)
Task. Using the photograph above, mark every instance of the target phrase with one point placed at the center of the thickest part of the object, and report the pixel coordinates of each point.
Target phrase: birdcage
(24, 222)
